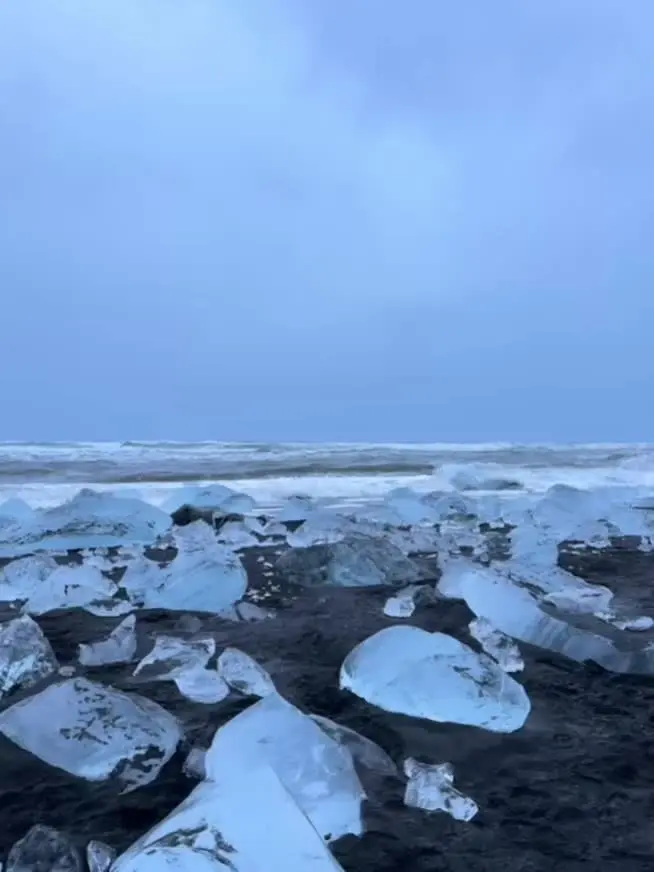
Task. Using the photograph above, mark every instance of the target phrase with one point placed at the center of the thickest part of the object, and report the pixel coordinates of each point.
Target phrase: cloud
(330, 220)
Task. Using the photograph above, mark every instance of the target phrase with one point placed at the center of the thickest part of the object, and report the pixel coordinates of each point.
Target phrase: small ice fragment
(26, 656)
(244, 674)
(402, 605)
(171, 656)
(99, 856)
(497, 645)
(94, 732)
(193, 766)
(634, 625)
(431, 788)
(118, 647)
(66, 671)
(251, 612)
(111, 608)
(44, 848)
(202, 685)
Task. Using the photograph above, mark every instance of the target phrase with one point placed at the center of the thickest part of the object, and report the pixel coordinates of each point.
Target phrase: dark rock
(186, 514)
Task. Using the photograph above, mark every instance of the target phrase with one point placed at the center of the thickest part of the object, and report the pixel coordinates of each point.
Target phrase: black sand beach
(570, 791)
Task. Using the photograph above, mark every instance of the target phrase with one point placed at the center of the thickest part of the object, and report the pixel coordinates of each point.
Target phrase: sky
(330, 220)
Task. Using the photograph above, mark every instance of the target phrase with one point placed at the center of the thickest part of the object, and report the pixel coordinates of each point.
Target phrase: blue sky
(327, 220)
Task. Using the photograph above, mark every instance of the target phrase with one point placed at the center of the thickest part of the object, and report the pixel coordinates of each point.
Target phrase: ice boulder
(355, 561)
(515, 611)
(69, 587)
(118, 647)
(44, 849)
(94, 732)
(431, 788)
(244, 674)
(22, 578)
(89, 520)
(317, 772)
(244, 820)
(26, 656)
(204, 576)
(409, 671)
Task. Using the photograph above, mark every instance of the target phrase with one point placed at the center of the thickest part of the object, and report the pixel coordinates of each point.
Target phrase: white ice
(89, 520)
(93, 732)
(497, 645)
(203, 686)
(244, 674)
(118, 647)
(69, 587)
(402, 605)
(26, 656)
(205, 576)
(431, 788)
(244, 820)
(317, 771)
(407, 670)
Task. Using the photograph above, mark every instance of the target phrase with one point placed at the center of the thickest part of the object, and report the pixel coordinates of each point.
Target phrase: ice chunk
(238, 534)
(402, 605)
(356, 561)
(407, 670)
(44, 849)
(514, 611)
(109, 608)
(88, 520)
(317, 771)
(497, 645)
(99, 856)
(362, 749)
(251, 612)
(21, 578)
(69, 587)
(171, 657)
(244, 821)
(204, 576)
(118, 647)
(432, 788)
(323, 527)
(26, 656)
(93, 731)
(213, 496)
(193, 766)
(202, 685)
(244, 674)
(639, 624)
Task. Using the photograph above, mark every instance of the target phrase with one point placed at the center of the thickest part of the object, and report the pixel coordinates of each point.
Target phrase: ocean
(46, 474)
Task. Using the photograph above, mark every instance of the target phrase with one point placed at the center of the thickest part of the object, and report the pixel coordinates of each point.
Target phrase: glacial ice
(497, 645)
(407, 670)
(204, 576)
(296, 508)
(402, 605)
(193, 766)
(22, 578)
(317, 771)
(44, 849)
(431, 788)
(243, 673)
(69, 587)
(172, 656)
(26, 656)
(355, 561)
(212, 497)
(245, 820)
(89, 520)
(203, 686)
(99, 856)
(118, 647)
(363, 750)
(94, 732)
(513, 610)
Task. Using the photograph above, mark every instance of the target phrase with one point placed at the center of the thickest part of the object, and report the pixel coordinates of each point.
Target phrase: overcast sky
(327, 220)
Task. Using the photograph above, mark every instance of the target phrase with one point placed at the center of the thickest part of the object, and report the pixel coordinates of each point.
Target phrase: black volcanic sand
(570, 791)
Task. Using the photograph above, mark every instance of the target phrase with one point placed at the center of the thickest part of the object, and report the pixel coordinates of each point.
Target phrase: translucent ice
(44, 848)
(69, 587)
(26, 656)
(93, 731)
(244, 674)
(89, 520)
(118, 647)
(497, 645)
(205, 576)
(407, 670)
(245, 821)
(402, 605)
(202, 685)
(432, 788)
(212, 497)
(193, 766)
(355, 561)
(317, 771)
(22, 578)
(362, 749)
(296, 508)
(171, 656)
(99, 856)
